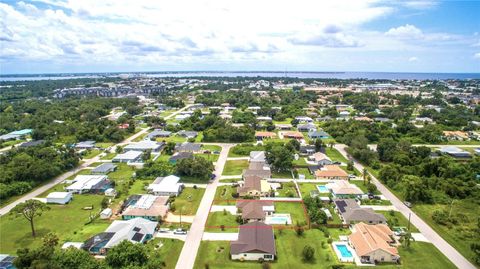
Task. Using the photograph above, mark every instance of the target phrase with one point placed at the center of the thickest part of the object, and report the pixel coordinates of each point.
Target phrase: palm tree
(406, 239)
(331, 144)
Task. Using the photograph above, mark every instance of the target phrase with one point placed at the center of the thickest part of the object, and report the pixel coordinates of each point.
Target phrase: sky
(64, 36)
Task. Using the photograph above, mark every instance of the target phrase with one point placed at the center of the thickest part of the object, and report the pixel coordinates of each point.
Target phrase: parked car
(179, 231)
(408, 204)
(351, 176)
(164, 230)
(216, 152)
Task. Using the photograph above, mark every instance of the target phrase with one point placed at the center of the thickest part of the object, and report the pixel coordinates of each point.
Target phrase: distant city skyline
(66, 36)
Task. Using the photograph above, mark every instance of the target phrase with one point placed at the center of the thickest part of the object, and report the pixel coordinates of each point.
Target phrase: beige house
(331, 172)
(374, 243)
(254, 186)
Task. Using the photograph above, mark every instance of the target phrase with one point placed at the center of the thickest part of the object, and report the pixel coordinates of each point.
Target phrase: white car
(179, 231)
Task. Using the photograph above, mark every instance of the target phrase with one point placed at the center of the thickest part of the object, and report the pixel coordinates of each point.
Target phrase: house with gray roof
(104, 168)
(188, 147)
(188, 134)
(158, 133)
(455, 152)
(351, 212)
(255, 242)
(90, 144)
(318, 134)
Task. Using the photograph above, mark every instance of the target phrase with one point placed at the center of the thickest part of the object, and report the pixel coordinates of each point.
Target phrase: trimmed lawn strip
(423, 255)
(224, 195)
(306, 173)
(335, 155)
(108, 156)
(235, 167)
(169, 251)
(216, 219)
(295, 209)
(91, 153)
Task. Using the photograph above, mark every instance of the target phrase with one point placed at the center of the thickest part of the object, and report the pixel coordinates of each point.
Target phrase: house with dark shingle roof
(351, 212)
(255, 210)
(255, 242)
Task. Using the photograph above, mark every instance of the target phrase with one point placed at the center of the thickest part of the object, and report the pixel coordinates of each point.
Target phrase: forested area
(70, 120)
(21, 169)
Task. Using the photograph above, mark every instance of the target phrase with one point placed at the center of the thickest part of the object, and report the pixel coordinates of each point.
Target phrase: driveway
(229, 208)
(220, 237)
(380, 207)
(194, 237)
(451, 253)
(171, 235)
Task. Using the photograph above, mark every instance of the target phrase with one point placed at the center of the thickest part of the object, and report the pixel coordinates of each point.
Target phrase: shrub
(308, 253)
(266, 265)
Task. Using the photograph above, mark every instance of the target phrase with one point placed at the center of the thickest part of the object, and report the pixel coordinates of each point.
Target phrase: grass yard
(288, 190)
(306, 188)
(223, 194)
(168, 249)
(64, 220)
(459, 235)
(335, 155)
(140, 137)
(423, 255)
(235, 167)
(173, 138)
(212, 147)
(284, 174)
(397, 219)
(295, 209)
(188, 201)
(300, 162)
(216, 219)
(209, 157)
(360, 184)
(89, 230)
(91, 153)
(81, 172)
(104, 145)
(108, 156)
(305, 172)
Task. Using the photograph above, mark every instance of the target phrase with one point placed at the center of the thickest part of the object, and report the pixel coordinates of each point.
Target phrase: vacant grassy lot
(423, 255)
(188, 201)
(288, 190)
(235, 167)
(305, 172)
(362, 186)
(335, 155)
(209, 157)
(217, 219)
(64, 220)
(284, 174)
(459, 235)
(108, 156)
(295, 209)
(225, 193)
(91, 153)
(395, 218)
(168, 249)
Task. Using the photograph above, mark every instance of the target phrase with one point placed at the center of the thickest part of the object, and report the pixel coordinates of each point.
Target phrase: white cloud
(413, 59)
(419, 4)
(476, 55)
(406, 31)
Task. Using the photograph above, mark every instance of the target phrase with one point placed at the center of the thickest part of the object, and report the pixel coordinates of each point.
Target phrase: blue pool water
(322, 188)
(344, 251)
(278, 220)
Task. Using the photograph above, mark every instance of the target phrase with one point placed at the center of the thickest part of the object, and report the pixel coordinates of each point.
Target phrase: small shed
(59, 198)
(106, 213)
(110, 192)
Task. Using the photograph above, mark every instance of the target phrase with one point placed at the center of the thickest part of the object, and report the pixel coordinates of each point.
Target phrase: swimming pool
(343, 251)
(278, 219)
(322, 188)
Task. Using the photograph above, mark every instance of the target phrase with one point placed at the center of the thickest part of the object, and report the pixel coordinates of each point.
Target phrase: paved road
(451, 253)
(220, 236)
(374, 146)
(194, 237)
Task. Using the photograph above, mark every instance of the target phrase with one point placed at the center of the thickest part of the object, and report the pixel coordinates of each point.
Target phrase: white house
(88, 183)
(106, 213)
(128, 157)
(144, 146)
(166, 186)
(59, 198)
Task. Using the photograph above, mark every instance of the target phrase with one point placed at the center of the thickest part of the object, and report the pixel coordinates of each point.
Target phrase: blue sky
(46, 36)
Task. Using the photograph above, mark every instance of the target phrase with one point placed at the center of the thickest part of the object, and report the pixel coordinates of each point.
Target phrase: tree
(146, 155)
(169, 148)
(126, 254)
(118, 149)
(196, 167)
(406, 239)
(365, 174)
(475, 247)
(308, 253)
(29, 210)
(371, 188)
(319, 145)
(350, 166)
(279, 157)
(415, 190)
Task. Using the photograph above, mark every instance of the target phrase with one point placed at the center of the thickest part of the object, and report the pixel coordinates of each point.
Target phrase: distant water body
(319, 75)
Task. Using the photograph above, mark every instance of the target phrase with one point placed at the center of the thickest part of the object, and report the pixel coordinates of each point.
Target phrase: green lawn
(64, 220)
(223, 194)
(335, 155)
(81, 172)
(459, 235)
(91, 153)
(288, 190)
(216, 219)
(284, 174)
(306, 188)
(173, 138)
(360, 184)
(300, 162)
(104, 145)
(140, 137)
(188, 201)
(108, 156)
(212, 147)
(168, 249)
(295, 209)
(397, 219)
(423, 255)
(235, 167)
(209, 157)
(306, 173)
(375, 202)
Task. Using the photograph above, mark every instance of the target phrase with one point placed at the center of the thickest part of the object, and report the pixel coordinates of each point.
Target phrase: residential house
(255, 210)
(158, 133)
(331, 172)
(293, 135)
(145, 145)
(374, 243)
(135, 230)
(104, 168)
(264, 135)
(351, 212)
(257, 169)
(264, 118)
(15, 135)
(188, 134)
(166, 186)
(59, 198)
(307, 127)
(179, 156)
(365, 119)
(180, 117)
(283, 127)
(253, 186)
(455, 152)
(456, 135)
(188, 147)
(320, 159)
(32, 143)
(343, 189)
(304, 119)
(307, 149)
(85, 145)
(257, 156)
(344, 114)
(318, 134)
(145, 206)
(256, 242)
(89, 184)
(131, 156)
